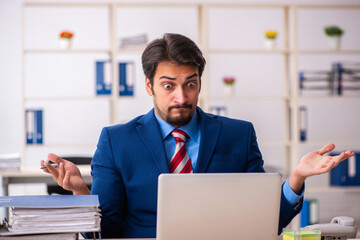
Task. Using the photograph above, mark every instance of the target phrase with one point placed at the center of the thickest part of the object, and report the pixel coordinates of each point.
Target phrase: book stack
(316, 81)
(138, 40)
(10, 162)
(32, 216)
(349, 77)
(343, 78)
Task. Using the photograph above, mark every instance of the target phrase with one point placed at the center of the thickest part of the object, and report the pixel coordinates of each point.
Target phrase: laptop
(218, 206)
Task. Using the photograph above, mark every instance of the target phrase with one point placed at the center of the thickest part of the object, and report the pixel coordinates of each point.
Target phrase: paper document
(52, 214)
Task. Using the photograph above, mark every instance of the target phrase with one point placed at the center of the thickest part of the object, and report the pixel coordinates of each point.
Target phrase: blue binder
(303, 123)
(54, 201)
(34, 126)
(29, 123)
(126, 79)
(39, 126)
(103, 77)
(309, 213)
(347, 173)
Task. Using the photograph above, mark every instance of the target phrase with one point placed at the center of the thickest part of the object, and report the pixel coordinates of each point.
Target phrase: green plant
(333, 31)
(271, 34)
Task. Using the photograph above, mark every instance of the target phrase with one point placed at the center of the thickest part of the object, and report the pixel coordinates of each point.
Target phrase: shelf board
(134, 98)
(326, 51)
(330, 97)
(131, 49)
(82, 98)
(281, 51)
(247, 51)
(274, 143)
(26, 51)
(61, 145)
(242, 98)
(69, 98)
(332, 189)
(317, 143)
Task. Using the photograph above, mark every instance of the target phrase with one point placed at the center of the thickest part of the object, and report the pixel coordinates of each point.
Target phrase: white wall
(10, 76)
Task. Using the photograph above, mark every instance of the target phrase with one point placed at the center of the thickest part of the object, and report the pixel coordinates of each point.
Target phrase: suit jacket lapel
(148, 130)
(210, 130)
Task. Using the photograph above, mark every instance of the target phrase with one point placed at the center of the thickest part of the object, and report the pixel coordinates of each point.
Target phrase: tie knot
(179, 135)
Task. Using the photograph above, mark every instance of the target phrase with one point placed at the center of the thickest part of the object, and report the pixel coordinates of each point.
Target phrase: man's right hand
(67, 175)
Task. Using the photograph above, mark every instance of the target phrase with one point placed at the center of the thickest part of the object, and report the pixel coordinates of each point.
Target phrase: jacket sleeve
(109, 186)
(287, 211)
(254, 158)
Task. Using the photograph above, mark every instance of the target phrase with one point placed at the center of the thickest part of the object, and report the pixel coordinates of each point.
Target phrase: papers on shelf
(137, 40)
(10, 162)
(53, 236)
(52, 214)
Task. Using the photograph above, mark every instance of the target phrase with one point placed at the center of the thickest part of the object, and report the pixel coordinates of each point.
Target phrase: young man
(130, 157)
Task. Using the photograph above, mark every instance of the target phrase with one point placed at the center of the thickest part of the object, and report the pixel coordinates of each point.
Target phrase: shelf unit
(202, 20)
(328, 116)
(110, 16)
(231, 48)
(289, 52)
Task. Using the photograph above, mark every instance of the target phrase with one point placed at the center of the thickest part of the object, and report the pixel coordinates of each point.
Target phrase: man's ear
(148, 86)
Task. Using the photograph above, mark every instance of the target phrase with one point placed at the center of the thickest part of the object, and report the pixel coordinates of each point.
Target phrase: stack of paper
(52, 214)
(10, 162)
(52, 236)
(141, 39)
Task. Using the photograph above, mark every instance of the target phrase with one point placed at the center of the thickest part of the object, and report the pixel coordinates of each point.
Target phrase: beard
(184, 118)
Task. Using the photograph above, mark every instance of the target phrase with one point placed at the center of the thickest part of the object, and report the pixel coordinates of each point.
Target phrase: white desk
(36, 175)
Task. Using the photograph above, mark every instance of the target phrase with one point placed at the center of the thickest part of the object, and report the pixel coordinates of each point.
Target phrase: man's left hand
(316, 163)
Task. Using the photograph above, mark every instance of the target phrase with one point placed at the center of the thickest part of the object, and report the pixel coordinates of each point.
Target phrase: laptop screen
(218, 206)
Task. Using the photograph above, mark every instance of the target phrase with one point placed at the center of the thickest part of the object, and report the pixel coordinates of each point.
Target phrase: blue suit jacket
(130, 157)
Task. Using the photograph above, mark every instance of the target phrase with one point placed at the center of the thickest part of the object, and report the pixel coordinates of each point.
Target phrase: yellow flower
(271, 34)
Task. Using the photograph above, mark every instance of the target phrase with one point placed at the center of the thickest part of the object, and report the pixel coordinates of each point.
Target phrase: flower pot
(229, 90)
(270, 44)
(65, 43)
(334, 42)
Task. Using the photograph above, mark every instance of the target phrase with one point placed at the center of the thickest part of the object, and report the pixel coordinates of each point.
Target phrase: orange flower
(66, 34)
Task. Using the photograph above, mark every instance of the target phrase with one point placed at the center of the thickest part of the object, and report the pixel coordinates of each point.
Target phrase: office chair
(56, 189)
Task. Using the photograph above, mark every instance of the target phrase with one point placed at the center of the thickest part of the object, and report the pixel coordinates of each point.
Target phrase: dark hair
(174, 48)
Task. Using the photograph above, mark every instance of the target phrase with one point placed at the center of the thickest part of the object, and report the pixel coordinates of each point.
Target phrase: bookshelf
(331, 118)
(266, 88)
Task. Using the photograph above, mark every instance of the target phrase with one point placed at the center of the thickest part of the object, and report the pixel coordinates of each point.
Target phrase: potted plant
(270, 39)
(334, 34)
(229, 83)
(65, 38)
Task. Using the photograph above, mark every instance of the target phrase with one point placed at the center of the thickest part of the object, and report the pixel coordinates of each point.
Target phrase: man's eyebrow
(171, 78)
(191, 76)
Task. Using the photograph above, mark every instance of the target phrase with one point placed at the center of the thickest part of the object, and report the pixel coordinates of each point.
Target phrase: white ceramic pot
(270, 44)
(334, 42)
(229, 90)
(65, 43)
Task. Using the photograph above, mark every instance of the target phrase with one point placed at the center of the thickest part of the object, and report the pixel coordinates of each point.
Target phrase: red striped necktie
(180, 161)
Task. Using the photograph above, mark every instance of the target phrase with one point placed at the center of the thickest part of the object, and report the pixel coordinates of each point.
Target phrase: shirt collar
(191, 128)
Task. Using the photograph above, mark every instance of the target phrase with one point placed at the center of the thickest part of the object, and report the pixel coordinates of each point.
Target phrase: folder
(303, 124)
(126, 78)
(34, 126)
(309, 213)
(347, 173)
(103, 77)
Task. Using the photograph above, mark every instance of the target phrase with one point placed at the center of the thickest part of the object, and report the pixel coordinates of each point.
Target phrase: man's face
(175, 92)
